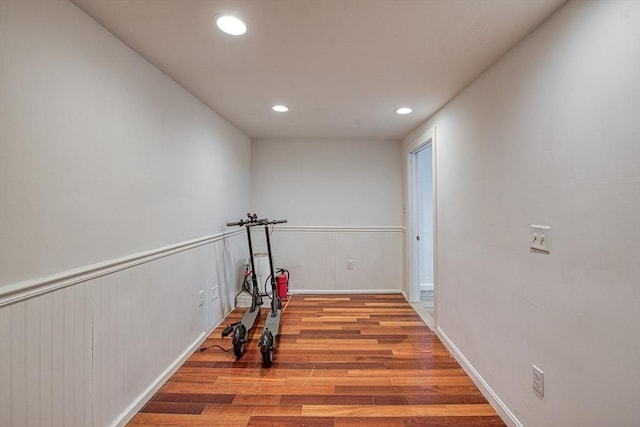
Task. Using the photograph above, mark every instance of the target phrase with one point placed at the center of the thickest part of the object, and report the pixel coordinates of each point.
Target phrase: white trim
(412, 227)
(426, 287)
(344, 291)
(424, 314)
(436, 278)
(416, 144)
(30, 288)
(148, 393)
(505, 413)
(332, 228)
(153, 388)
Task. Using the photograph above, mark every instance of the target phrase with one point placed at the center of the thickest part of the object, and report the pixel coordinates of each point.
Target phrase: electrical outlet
(213, 293)
(537, 380)
(201, 298)
(540, 239)
(349, 264)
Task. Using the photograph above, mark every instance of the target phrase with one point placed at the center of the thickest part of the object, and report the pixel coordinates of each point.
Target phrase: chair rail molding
(27, 289)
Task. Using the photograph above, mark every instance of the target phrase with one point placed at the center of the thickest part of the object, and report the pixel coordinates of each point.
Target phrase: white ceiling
(342, 66)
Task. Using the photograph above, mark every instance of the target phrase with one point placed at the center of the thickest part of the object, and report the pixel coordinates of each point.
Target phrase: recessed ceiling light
(404, 110)
(280, 108)
(230, 24)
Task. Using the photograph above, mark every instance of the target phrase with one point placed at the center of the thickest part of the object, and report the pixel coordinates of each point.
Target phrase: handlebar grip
(255, 221)
(240, 223)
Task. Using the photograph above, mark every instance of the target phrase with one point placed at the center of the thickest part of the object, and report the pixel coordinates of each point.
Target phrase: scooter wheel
(239, 340)
(266, 348)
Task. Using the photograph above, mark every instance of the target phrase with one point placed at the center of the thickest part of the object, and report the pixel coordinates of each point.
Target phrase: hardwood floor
(357, 360)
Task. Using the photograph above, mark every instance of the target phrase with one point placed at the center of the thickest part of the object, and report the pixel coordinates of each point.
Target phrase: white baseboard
(505, 413)
(153, 388)
(343, 291)
(144, 397)
(426, 286)
(424, 314)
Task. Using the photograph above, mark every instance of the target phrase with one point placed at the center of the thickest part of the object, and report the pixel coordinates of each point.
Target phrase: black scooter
(242, 328)
(269, 335)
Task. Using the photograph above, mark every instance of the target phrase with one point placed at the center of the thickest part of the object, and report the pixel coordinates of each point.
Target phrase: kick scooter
(242, 328)
(267, 341)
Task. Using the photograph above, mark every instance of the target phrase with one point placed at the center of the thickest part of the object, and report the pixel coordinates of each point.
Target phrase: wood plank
(278, 411)
(490, 421)
(310, 399)
(173, 408)
(257, 399)
(291, 422)
(373, 411)
(367, 422)
(193, 397)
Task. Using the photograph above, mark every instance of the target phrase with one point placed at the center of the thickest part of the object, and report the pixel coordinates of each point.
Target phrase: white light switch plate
(540, 238)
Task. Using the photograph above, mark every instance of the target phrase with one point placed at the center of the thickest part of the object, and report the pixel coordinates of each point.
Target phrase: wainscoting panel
(45, 360)
(317, 258)
(90, 353)
(377, 261)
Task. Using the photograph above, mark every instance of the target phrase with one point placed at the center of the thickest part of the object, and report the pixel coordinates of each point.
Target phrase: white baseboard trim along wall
(148, 393)
(495, 401)
(90, 346)
(344, 292)
(334, 228)
(335, 259)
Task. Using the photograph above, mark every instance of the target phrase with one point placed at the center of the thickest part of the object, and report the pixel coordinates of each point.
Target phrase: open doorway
(421, 228)
(424, 222)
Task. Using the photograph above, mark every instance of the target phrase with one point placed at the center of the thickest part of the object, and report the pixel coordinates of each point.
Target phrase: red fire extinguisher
(283, 284)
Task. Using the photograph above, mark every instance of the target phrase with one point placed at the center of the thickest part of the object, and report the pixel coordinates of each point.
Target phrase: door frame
(413, 285)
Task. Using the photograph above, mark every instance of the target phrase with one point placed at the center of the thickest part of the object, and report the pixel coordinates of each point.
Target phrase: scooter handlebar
(251, 222)
(279, 221)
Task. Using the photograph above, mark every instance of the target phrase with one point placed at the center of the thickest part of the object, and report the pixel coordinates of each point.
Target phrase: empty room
(320, 212)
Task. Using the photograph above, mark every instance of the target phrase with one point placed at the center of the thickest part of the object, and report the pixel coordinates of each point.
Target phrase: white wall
(115, 184)
(328, 182)
(101, 154)
(343, 202)
(549, 135)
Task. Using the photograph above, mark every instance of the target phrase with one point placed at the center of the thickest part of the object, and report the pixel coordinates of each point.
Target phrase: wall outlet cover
(537, 380)
(540, 239)
(201, 298)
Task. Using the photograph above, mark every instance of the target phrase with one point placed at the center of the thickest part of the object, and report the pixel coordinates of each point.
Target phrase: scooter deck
(273, 322)
(249, 317)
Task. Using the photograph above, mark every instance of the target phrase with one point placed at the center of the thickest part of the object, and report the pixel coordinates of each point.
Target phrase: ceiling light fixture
(404, 110)
(280, 108)
(230, 24)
